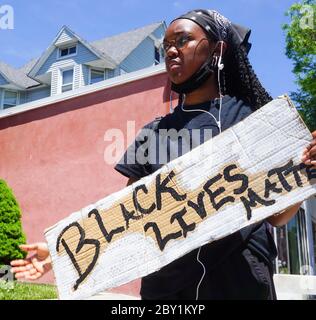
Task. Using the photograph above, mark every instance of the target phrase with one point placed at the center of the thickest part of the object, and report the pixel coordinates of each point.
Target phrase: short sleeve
(134, 163)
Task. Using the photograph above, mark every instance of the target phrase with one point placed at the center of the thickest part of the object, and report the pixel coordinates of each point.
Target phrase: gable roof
(16, 76)
(32, 72)
(121, 45)
(112, 49)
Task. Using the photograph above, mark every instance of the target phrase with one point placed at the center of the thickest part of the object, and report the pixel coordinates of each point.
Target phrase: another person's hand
(309, 155)
(34, 267)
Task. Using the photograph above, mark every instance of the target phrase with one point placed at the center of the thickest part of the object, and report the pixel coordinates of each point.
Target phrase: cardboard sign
(248, 173)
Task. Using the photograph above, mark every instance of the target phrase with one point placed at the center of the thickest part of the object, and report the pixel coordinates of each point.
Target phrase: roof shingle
(120, 46)
(17, 76)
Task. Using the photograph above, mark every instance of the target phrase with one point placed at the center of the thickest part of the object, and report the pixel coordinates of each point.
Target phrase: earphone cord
(220, 130)
(203, 275)
(218, 122)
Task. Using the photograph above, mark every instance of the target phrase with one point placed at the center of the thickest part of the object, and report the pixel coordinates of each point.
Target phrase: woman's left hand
(309, 154)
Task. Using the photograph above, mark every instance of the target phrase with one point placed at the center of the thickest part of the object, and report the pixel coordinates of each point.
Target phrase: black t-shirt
(153, 148)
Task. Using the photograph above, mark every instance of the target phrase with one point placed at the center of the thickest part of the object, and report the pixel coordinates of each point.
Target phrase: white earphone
(220, 65)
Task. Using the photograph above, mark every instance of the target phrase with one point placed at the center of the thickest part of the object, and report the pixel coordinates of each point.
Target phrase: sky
(37, 22)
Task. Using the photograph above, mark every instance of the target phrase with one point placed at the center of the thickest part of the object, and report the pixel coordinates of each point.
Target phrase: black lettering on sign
(199, 206)
(236, 177)
(311, 173)
(185, 227)
(280, 172)
(161, 187)
(296, 173)
(129, 215)
(108, 236)
(214, 194)
(161, 241)
(270, 187)
(253, 200)
(82, 242)
(137, 205)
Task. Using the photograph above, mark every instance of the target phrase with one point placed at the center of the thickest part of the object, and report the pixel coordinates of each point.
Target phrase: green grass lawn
(28, 291)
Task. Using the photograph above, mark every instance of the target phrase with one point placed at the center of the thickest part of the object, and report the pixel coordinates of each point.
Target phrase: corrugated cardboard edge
(291, 104)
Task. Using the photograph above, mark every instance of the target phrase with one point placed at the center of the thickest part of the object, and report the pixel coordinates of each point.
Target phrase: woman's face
(186, 49)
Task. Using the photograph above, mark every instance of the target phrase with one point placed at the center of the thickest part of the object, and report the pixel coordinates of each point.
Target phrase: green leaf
(11, 234)
(301, 49)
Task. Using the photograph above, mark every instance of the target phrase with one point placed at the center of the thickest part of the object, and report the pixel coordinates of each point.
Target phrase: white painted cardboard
(257, 149)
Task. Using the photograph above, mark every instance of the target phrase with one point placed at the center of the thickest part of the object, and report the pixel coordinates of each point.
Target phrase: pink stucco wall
(53, 157)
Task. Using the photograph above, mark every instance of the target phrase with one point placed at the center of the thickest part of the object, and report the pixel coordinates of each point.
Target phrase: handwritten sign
(248, 173)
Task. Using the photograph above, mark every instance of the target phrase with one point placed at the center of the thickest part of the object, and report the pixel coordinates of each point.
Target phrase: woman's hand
(309, 154)
(34, 267)
(308, 158)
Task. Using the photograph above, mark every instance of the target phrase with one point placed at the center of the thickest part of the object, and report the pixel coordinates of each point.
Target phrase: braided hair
(239, 80)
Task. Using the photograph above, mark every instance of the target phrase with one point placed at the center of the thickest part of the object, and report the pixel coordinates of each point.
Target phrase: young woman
(207, 63)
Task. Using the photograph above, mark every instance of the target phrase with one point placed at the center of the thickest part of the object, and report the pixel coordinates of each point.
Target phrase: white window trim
(2, 98)
(159, 53)
(60, 76)
(97, 69)
(69, 55)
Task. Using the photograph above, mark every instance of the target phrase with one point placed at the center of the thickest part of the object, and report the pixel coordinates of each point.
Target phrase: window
(162, 53)
(65, 52)
(283, 250)
(157, 56)
(294, 254)
(67, 80)
(96, 76)
(10, 99)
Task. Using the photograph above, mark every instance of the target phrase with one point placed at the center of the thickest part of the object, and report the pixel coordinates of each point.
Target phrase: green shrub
(11, 234)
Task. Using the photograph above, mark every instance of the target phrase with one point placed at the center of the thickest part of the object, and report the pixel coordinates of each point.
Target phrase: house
(53, 150)
(70, 62)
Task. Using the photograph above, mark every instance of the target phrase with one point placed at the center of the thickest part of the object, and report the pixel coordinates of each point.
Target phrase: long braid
(241, 81)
